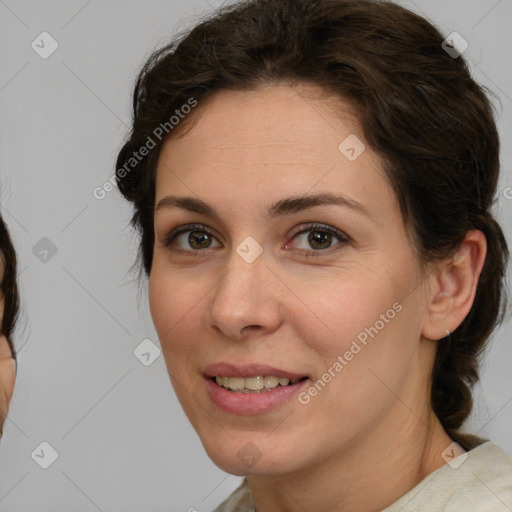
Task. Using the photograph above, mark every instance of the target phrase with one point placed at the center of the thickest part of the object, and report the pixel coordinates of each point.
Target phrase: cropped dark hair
(9, 286)
(420, 110)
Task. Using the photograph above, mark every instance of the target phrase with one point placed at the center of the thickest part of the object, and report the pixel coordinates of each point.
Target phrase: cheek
(176, 303)
(339, 309)
(368, 343)
(358, 330)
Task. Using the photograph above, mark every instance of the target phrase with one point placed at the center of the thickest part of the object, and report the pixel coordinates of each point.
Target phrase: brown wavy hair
(420, 110)
(9, 286)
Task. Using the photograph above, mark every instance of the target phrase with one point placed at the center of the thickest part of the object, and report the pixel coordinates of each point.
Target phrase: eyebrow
(279, 209)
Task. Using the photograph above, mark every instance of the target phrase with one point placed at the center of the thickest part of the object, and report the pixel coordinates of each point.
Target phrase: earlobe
(453, 287)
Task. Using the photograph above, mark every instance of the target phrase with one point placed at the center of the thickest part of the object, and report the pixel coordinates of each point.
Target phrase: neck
(370, 474)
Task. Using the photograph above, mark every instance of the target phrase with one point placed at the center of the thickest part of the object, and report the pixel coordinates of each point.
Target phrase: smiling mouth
(257, 384)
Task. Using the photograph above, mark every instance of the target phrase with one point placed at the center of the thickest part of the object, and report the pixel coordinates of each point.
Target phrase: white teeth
(270, 381)
(237, 383)
(253, 384)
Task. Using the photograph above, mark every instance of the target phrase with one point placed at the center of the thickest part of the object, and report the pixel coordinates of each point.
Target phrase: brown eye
(319, 238)
(199, 240)
(191, 238)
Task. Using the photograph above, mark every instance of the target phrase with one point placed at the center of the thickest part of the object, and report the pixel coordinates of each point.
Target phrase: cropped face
(7, 366)
(284, 288)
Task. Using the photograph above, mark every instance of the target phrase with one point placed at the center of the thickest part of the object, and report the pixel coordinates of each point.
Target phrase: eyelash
(342, 237)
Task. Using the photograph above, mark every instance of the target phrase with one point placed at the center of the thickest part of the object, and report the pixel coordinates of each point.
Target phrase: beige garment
(482, 483)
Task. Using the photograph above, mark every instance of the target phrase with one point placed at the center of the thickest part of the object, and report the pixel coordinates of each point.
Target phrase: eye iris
(320, 239)
(199, 239)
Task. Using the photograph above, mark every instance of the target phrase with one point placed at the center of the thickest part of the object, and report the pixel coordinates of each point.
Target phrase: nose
(246, 300)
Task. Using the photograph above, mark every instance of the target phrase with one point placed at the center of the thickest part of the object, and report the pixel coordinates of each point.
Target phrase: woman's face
(7, 366)
(275, 279)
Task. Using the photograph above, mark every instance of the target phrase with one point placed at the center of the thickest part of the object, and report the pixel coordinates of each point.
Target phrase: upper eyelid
(184, 228)
(303, 228)
(318, 226)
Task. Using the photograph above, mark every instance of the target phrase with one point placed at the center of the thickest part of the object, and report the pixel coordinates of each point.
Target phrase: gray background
(122, 440)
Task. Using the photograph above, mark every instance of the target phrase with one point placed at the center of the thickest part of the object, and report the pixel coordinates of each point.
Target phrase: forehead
(295, 127)
(275, 114)
(269, 142)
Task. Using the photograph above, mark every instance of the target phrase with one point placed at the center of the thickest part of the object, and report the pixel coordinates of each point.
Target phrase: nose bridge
(245, 296)
(242, 284)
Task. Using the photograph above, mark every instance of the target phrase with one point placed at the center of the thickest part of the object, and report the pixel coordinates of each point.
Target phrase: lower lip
(251, 403)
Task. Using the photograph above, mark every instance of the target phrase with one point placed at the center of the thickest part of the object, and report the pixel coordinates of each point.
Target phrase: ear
(453, 287)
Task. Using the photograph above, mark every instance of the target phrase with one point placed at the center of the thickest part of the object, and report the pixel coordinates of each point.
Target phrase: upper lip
(248, 370)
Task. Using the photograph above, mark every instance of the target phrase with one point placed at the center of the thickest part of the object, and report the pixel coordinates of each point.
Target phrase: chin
(232, 465)
(240, 456)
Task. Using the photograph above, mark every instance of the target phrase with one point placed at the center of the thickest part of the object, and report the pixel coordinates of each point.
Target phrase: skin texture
(7, 369)
(369, 436)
